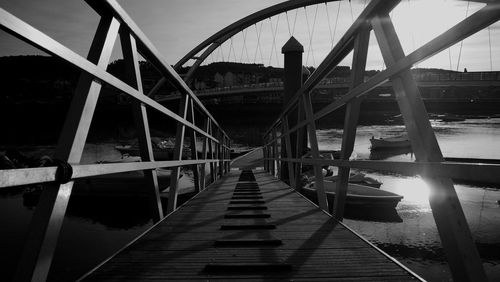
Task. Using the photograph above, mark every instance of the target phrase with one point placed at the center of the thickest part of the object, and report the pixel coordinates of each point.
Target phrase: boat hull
(159, 155)
(357, 196)
(384, 144)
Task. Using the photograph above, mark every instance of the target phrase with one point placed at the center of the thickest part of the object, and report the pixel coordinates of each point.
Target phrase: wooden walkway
(250, 226)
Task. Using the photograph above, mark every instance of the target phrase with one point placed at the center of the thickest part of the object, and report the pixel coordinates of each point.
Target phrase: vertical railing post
(264, 152)
(351, 119)
(268, 164)
(274, 153)
(204, 156)
(133, 77)
(179, 147)
(463, 257)
(271, 154)
(194, 151)
(288, 148)
(301, 144)
(228, 155)
(278, 152)
(43, 233)
(216, 148)
(211, 152)
(221, 153)
(311, 130)
(292, 82)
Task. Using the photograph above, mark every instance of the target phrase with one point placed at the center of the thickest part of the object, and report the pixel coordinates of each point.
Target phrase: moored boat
(357, 178)
(162, 149)
(401, 141)
(451, 118)
(357, 195)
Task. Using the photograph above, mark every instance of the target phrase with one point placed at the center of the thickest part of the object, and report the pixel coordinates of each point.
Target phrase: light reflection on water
(413, 189)
(415, 241)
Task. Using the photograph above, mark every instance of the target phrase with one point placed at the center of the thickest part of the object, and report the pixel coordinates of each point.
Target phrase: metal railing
(280, 156)
(47, 220)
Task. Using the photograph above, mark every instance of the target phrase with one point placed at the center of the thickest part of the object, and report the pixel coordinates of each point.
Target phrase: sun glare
(413, 189)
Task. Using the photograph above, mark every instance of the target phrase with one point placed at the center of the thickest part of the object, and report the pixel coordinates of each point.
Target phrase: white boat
(357, 195)
(357, 178)
(162, 149)
(451, 118)
(401, 141)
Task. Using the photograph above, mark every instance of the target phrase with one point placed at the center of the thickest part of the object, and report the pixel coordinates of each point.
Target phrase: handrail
(48, 217)
(38, 175)
(148, 50)
(281, 161)
(459, 170)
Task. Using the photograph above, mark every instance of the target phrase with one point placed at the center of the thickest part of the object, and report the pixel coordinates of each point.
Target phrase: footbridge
(277, 88)
(248, 219)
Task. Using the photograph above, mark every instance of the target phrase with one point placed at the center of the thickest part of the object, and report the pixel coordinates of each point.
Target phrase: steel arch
(214, 41)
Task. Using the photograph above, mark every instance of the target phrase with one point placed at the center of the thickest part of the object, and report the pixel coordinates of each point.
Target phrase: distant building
(218, 79)
(229, 79)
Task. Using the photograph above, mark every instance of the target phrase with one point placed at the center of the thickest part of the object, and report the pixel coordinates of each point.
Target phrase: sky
(176, 26)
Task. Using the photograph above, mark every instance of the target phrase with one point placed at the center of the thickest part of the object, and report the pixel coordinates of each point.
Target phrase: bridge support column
(463, 257)
(351, 120)
(292, 51)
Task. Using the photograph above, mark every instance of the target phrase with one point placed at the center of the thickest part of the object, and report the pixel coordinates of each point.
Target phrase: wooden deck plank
(313, 244)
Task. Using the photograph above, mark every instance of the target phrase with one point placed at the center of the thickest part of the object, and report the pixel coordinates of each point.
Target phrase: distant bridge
(470, 79)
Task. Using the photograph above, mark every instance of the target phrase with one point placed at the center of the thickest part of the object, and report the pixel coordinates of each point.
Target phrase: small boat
(127, 183)
(451, 118)
(393, 152)
(162, 149)
(401, 141)
(357, 195)
(357, 178)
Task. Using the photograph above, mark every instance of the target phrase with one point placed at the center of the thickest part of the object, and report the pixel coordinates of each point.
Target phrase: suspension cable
(350, 6)
(274, 41)
(258, 48)
(288, 24)
(295, 21)
(311, 33)
(274, 31)
(258, 41)
(329, 25)
(489, 41)
(234, 51)
(231, 48)
(209, 59)
(272, 45)
(230, 44)
(336, 21)
(449, 57)
(412, 32)
(462, 42)
(244, 47)
(217, 55)
(221, 52)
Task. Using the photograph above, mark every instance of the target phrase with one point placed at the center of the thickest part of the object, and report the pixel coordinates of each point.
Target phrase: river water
(94, 228)
(412, 238)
